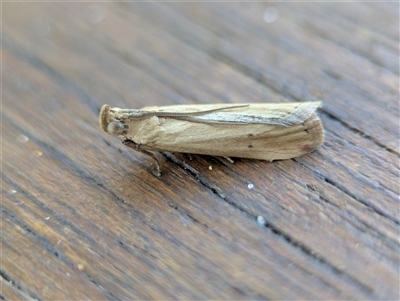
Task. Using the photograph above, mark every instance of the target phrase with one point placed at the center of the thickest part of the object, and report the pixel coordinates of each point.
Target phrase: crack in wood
(50, 248)
(360, 133)
(7, 278)
(362, 201)
(368, 205)
(308, 252)
(378, 234)
(37, 64)
(197, 175)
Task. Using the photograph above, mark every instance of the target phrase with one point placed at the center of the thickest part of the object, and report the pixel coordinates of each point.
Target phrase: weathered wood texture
(84, 218)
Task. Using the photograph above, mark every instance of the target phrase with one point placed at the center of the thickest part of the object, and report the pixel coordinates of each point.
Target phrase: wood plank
(83, 217)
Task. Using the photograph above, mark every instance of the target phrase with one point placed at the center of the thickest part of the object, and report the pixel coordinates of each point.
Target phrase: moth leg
(229, 159)
(136, 147)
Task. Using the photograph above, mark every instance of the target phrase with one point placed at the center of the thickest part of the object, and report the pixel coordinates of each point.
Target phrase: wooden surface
(84, 218)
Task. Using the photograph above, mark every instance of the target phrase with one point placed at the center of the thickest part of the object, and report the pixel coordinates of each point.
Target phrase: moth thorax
(116, 128)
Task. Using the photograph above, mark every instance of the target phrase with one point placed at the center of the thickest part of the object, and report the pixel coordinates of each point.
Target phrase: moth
(266, 131)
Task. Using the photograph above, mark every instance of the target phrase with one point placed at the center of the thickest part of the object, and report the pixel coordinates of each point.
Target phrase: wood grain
(82, 216)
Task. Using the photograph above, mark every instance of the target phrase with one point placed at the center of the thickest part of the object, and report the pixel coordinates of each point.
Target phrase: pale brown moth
(257, 131)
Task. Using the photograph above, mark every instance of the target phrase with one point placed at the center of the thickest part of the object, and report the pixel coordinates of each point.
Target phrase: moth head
(113, 127)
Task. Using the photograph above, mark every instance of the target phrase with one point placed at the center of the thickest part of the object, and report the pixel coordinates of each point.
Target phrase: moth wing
(285, 114)
(256, 141)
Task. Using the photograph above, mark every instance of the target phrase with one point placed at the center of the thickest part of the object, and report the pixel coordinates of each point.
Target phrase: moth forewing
(257, 131)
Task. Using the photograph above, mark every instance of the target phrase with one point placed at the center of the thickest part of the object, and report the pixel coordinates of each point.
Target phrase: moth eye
(116, 128)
